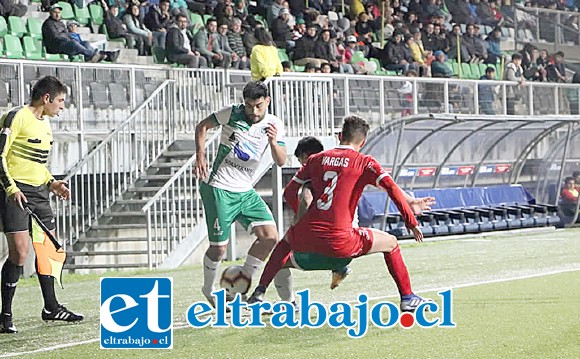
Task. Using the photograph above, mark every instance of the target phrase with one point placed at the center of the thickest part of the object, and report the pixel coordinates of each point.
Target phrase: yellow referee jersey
(25, 143)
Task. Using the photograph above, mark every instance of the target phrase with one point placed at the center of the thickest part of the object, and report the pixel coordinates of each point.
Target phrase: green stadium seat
(16, 26)
(97, 14)
(31, 49)
(379, 70)
(3, 26)
(158, 55)
(466, 71)
(475, 71)
(206, 17)
(455, 68)
(357, 57)
(283, 55)
(67, 11)
(82, 15)
(391, 73)
(298, 68)
(34, 26)
(1, 49)
(13, 47)
(121, 39)
(196, 21)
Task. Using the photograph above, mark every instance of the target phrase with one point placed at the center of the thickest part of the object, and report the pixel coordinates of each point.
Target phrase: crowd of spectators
(402, 35)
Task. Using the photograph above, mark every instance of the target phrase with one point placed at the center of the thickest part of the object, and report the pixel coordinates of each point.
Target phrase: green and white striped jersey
(242, 146)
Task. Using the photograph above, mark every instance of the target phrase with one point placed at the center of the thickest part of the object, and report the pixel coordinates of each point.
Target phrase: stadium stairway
(118, 239)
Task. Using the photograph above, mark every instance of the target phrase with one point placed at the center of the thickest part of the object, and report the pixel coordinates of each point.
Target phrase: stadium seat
(120, 39)
(196, 21)
(13, 47)
(118, 95)
(3, 26)
(99, 97)
(16, 26)
(97, 14)
(283, 55)
(158, 55)
(1, 48)
(82, 15)
(67, 11)
(31, 51)
(466, 71)
(475, 71)
(3, 94)
(34, 27)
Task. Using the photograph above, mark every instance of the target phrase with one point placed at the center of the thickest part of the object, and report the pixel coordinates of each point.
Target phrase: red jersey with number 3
(337, 178)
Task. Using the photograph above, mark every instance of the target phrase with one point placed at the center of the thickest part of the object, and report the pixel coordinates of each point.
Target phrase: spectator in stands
(178, 7)
(264, 60)
(493, 46)
(136, 27)
(58, 41)
(365, 28)
(544, 60)
(72, 27)
(241, 10)
(455, 41)
(406, 93)
(10, 8)
(428, 37)
(421, 57)
(323, 49)
(236, 43)
(349, 50)
(430, 9)
(576, 175)
(310, 68)
(514, 72)
(438, 67)
(485, 92)
(304, 52)
(207, 44)
(274, 11)
(532, 71)
(287, 66)
(556, 71)
(463, 14)
(395, 57)
(299, 30)
(178, 45)
(441, 40)
(488, 13)
(569, 197)
(325, 68)
(474, 48)
(226, 50)
(227, 16)
(282, 32)
(158, 20)
(116, 29)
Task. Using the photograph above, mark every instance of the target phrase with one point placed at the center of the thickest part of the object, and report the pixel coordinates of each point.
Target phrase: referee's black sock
(10, 276)
(47, 287)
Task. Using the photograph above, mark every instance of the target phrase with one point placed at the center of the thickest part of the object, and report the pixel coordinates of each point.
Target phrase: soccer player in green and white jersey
(227, 192)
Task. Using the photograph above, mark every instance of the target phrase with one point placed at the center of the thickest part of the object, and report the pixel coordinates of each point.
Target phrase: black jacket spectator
(154, 20)
(9, 8)
(114, 26)
(394, 53)
(174, 43)
(304, 47)
(54, 33)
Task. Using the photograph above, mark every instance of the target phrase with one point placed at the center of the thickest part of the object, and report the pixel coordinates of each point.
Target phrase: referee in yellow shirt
(25, 143)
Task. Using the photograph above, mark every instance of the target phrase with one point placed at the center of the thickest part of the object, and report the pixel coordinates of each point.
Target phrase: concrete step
(182, 154)
(108, 227)
(105, 266)
(90, 37)
(125, 214)
(106, 253)
(126, 56)
(171, 164)
(111, 239)
(162, 177)
(114, 45)
(144, 189)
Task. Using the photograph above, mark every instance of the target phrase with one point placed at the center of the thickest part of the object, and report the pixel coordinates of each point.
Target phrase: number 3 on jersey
(325, 201)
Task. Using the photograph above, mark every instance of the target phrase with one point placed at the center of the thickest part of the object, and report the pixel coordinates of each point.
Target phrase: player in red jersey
(324, 238)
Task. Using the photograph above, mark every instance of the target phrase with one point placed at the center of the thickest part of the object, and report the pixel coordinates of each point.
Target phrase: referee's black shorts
(17, 220)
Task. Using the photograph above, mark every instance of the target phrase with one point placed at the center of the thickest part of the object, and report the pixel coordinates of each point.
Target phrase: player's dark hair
(47, 85)
(308, 146)
(575, 174)
(354, 129)
(568, 179)
(255, 90)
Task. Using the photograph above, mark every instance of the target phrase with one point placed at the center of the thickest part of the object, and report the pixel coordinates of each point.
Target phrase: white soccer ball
(235, 281)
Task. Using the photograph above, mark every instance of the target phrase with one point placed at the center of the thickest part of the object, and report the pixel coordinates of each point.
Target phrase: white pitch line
(183, 326)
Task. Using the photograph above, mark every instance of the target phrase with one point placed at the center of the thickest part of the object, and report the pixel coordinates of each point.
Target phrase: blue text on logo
(136, 313)
(354, 317)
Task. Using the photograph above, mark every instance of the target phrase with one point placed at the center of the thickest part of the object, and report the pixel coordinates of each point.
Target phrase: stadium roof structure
(435, 150)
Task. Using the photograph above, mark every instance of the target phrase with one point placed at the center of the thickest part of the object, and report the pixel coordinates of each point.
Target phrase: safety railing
(102, 176)
(174, 211)
(304, 104)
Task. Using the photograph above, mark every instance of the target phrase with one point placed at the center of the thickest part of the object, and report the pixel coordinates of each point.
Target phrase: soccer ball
(235, 281)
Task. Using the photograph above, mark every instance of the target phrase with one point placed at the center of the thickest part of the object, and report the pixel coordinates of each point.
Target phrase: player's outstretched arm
(200, 167)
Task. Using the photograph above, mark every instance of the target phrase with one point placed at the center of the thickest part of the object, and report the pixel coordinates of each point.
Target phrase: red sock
(278, 258)
(398, 271)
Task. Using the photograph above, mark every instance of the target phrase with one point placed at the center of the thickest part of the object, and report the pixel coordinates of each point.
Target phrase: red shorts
(350, 244)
